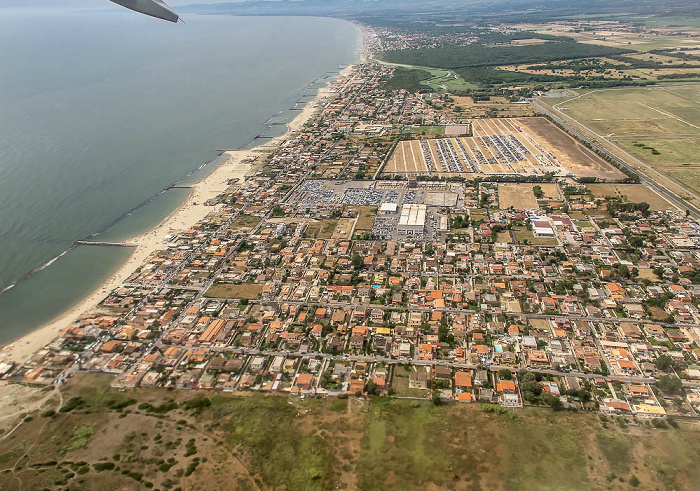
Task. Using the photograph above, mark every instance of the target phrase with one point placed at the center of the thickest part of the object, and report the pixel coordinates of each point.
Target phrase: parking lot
(498, 146)
(358, 193)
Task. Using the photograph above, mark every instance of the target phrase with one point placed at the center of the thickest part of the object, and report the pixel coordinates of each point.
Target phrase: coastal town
(413, 245)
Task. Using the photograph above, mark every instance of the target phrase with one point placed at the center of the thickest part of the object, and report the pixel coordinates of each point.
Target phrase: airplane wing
(154, 8)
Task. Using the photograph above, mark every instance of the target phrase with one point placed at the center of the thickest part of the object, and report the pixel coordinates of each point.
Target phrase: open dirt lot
(244, 290)
(577, 158)
(343, 228)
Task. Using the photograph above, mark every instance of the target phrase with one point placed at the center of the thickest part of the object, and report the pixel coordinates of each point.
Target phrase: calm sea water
(101, 111)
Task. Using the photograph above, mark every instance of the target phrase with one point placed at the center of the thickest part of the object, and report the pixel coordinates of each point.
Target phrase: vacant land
(243, 291)
(578, 159)
(631, 193)
(435, 130)
(400, 379)
(525, 236)
(504, 237)
(244, 223)
(156, 438)
(519, 196)
(323, 229)
(343, 228)
(658, 125)
(365, 217)
(466, 107)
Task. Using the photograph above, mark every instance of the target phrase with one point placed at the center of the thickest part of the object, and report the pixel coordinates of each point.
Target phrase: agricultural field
(111, 440)
(500, 146)
(615, 34)
(658, 125)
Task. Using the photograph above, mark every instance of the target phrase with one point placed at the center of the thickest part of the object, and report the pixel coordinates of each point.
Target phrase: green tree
(664, 362)
(371, 388)
(505, 374)
(357, 261)
(670, 384)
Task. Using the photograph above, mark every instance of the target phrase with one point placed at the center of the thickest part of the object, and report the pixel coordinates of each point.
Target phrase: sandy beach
(181, 219)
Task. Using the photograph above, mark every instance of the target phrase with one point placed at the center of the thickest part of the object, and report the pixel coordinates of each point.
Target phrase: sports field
(658, 125)
(500, 146)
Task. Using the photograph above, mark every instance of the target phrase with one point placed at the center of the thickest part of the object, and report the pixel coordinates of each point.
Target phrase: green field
(161, 439)
(417, 78)
(658, 125)
(447, 80)
(429, 130)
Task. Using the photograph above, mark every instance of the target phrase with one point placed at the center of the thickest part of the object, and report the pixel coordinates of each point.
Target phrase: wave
(36, 270)
(48, 263)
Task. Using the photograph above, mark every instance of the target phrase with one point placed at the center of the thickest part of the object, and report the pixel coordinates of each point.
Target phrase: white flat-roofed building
(388, 207)
(277, 364)
(412, 220)
(541, 227)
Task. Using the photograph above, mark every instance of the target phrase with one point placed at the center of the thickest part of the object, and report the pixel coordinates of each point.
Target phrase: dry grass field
(343, 228)
(244, 223)
(322, 229)
(578, 159)
(226, 290)
(631, 193)
(190, 440)
(517, 195)
(365, 217)
(498, 105)
(658, 125)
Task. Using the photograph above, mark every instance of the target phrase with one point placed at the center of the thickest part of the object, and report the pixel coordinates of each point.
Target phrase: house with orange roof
(506, 387)
(463, 380)
(638, 390)
(427, 351)
(304, 381)
(464, 396)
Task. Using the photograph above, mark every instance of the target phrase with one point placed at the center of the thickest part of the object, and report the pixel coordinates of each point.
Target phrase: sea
(101, 111)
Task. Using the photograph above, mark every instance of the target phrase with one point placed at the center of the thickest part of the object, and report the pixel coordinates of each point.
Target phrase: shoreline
(180, 219)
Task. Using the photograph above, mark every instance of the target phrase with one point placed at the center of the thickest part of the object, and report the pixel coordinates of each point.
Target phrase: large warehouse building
(412, 219)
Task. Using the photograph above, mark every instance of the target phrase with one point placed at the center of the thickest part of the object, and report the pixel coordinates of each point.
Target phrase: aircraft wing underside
(154, 8)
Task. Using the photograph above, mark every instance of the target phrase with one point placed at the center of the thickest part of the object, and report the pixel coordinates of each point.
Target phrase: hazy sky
(83, 4)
